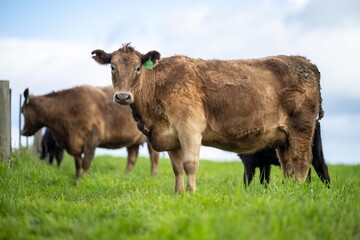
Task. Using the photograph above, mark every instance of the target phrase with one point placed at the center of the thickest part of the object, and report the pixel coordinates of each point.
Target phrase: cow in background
(82, 119)
(50, 146)
(181, 103)
(266, 157)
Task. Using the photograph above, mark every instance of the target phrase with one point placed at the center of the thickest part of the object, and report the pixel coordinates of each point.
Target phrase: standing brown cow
(242, 106)
(83, 118)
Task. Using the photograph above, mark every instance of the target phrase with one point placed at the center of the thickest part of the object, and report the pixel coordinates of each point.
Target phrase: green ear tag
(27, 100)
(148, 64)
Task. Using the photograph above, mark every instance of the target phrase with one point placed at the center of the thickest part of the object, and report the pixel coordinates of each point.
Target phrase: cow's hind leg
(89, 148)
(249, 173)
(302, 159)
(51, 158)
(78, 164)
(59, 157)
(88, 157)
(301, 103)
(132, 155)
(265, 174)
(300, 148)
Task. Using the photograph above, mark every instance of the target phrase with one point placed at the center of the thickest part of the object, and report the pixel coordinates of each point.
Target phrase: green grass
(38, 201)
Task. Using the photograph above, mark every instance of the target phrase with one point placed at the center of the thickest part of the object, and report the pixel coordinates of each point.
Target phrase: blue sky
(46, 45)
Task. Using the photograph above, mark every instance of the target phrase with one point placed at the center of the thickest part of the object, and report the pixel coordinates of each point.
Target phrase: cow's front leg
(178, 168)
(191, 168)
(181, 161)
(132, 155)
(188, 157)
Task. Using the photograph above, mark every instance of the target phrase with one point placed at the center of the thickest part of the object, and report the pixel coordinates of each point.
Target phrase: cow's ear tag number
(27, 100)
(148, 64)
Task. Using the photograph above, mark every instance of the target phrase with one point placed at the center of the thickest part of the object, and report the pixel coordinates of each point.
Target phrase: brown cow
(83, 118)
(242, 106)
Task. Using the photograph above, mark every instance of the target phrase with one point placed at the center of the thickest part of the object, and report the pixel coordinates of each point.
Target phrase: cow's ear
(150, 59)
(26, 96)
(101, 57)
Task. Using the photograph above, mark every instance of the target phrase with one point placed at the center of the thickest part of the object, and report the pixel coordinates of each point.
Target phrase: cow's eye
(138, 68)
(113, 69)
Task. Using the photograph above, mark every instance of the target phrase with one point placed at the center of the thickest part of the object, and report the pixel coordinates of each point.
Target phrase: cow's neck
(141, 109)
(145, 91)
(146, 86)
(144, 98)
(139, 120)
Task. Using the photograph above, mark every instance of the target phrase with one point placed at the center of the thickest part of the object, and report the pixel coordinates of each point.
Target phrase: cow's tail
(44, 150)
(318, 156)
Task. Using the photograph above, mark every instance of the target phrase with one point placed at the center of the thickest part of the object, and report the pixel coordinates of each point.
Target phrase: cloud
(327, 14)
(335, 52)
(340, 138)
(43, 65)
(222, 32)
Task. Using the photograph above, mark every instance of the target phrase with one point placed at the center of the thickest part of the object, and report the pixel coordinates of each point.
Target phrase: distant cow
(50, 146)
(266, 157)
(242, 106)
(82, 119)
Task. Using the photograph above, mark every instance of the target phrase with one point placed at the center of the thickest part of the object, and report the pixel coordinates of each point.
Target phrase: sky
(46, 46)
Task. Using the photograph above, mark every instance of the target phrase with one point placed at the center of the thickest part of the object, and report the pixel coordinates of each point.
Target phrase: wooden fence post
(5, 142)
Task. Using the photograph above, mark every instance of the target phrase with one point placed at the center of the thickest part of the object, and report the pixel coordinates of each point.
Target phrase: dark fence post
(5, 142)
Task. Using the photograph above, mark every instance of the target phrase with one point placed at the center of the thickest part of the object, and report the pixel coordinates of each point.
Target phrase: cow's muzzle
(123, 98)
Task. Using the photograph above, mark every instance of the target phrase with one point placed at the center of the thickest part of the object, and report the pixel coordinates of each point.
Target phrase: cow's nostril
(117, 98)
(128, 97)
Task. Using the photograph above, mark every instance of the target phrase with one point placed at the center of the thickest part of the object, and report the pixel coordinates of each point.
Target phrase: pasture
(38, 201)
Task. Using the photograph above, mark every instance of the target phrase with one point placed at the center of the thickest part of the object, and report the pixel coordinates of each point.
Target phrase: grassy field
(38, 201)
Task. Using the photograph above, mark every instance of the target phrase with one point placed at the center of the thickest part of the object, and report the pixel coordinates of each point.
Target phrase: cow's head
(126, 66)
(32, 123)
